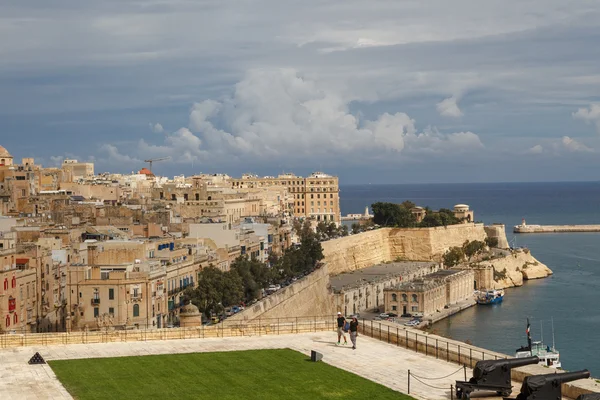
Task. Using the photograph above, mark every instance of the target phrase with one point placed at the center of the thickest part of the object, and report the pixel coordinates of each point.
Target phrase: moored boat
(487, 297)
(549, 356)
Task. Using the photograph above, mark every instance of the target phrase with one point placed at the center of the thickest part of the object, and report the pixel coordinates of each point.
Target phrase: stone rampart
(388, 244)
(308, 296)
(516, 267)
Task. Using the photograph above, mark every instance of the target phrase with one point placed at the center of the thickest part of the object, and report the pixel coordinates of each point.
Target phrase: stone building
(75, 170)
(315, 196)
(363, 290)
(431, 293)
(462, 212)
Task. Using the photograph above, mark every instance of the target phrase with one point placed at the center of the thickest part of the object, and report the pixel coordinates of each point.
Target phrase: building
(431, 293)
(363, 290)
(462, 212)
(75, 170)
(316, 196)
(5, 158)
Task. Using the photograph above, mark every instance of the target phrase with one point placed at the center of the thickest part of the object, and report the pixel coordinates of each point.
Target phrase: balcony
(135, 298)
(95, 302)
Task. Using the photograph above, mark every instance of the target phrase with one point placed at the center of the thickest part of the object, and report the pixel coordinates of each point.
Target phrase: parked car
(407, 315)
(384, 315)
(235, 309)
(411, 323)
(393, 315)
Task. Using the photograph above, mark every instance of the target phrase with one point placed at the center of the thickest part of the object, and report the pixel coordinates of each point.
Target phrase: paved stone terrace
(375, 360)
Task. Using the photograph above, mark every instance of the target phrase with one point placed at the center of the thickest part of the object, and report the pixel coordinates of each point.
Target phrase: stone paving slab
(375, 360)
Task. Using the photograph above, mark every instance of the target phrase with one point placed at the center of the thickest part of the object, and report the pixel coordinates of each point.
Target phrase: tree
(390, 214)
(491, 242)
(453, 256)
(473, 248)
(356, 228)
(344, 230)
(216, 289)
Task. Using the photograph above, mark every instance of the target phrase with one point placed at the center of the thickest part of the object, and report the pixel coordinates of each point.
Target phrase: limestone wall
(388, 244)
(514, 268)
(308, 296)
(498, 231)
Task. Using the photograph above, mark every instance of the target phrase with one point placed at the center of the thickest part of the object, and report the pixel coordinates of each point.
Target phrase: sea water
(570, 297)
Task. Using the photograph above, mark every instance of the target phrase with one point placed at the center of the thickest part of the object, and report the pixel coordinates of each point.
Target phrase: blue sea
(569, 298)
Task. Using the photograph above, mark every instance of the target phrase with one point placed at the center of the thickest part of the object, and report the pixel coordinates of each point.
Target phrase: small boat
(489, 296)
(549, 356)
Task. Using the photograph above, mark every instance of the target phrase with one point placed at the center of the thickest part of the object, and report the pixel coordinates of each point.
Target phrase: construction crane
(151, 160)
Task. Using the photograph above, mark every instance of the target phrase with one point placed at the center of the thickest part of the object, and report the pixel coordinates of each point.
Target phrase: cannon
(492, 375)
(589, 396)
(548, 386)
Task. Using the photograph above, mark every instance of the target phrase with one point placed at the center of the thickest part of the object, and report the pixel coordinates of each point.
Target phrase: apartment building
(315, 196)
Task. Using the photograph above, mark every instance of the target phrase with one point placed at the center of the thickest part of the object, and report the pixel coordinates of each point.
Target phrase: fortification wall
(388, 244)
(498, 231)
(308, 296)
(357, 251)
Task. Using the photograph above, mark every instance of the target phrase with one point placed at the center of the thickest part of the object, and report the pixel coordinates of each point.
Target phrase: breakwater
(555, 228)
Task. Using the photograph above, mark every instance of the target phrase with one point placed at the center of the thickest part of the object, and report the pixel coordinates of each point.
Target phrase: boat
(489, 296)
(549, 356)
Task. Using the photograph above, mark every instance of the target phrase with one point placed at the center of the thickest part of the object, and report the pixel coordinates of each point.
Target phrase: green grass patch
(253, 374)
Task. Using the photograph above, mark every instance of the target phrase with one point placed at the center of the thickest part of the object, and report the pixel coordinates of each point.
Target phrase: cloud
(156, 128)
(562, 146)
(279, 113)
(449, 108)
(112, 156)
(590, 115)
(537, 149)
(574, 146)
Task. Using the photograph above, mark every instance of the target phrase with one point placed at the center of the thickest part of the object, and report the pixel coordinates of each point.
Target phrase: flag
(528, 330)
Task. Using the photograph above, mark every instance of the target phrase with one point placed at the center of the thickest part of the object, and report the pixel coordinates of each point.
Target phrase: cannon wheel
(505, 393)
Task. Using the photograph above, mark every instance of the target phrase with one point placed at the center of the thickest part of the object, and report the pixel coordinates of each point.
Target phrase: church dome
(4, 153)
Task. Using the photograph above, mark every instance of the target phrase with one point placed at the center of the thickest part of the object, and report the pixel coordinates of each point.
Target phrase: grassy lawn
(254, 374)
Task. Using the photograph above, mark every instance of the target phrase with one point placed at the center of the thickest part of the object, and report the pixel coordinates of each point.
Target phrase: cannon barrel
(486, 367)
(520, 362)
(564, 377)
(589, 396)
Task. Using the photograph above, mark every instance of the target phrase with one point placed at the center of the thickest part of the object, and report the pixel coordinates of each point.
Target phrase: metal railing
(447, 350)
(257, 327)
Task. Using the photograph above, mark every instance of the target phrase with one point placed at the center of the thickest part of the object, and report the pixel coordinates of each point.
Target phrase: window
(394, 308)
(8, 320)
(404, 297)
(96, 312)
(331, 196)
(394, 297)
(15, 318)
(111, 311)
(415, 308)
(414, 298)
(111, 294)
(136, 310)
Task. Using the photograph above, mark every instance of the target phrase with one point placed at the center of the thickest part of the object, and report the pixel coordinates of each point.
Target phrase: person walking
(353, 331)
(340, 327)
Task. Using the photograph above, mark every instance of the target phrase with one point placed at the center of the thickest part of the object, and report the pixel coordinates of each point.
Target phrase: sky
(372, 91)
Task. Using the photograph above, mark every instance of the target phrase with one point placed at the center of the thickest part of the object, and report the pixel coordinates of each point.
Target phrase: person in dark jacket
(353, 331)
(340, 327)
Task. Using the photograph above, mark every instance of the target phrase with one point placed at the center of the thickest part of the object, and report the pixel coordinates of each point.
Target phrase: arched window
(394, 297)
(136, 310)
(414, 298)
(404, 297)
(7, 320)
(15, 318)
(14, 282)
(5, 283)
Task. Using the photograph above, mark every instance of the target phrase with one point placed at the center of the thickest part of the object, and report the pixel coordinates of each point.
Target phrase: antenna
(552, 319)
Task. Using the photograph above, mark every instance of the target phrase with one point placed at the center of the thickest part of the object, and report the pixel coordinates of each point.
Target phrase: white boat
(549, 356)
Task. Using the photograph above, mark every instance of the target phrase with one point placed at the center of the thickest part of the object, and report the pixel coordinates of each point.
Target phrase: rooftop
(375, 273)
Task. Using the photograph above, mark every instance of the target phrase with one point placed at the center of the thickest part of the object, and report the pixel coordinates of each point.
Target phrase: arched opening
(136, 310)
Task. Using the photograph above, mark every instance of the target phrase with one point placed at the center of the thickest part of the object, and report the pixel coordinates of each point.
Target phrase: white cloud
(590, 115)
(156, 128)
(537, 149)
(574, 146)
(114, 157)
(278, 115)
(449, 108)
